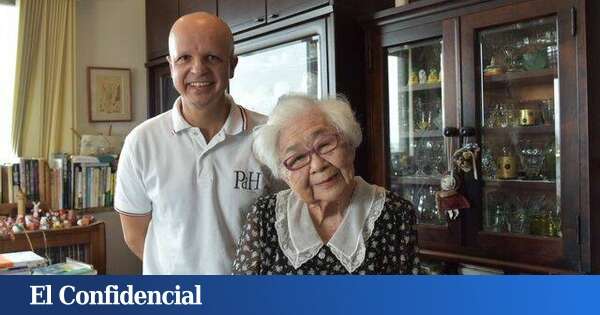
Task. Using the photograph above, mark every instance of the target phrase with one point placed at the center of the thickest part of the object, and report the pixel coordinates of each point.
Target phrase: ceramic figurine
(72, 217)
(413, 79)
(422, 76)
(85, 220)
(36, 209)
(19, 225)
(66, 224)
(56, 224)
(6, 229)
(44, 223)
(433, 77)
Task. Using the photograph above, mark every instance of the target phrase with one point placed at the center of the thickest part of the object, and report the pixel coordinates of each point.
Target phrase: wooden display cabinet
(508, 72)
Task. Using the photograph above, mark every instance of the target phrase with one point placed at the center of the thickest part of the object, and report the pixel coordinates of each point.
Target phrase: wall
(119, 259)
(112, 33)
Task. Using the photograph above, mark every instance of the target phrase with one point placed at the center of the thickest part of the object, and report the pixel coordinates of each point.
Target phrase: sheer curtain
(44, 97)
(8, 32)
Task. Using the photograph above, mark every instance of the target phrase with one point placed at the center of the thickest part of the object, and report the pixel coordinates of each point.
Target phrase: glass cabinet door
(519, 86)
(518, 118)
(417, 151)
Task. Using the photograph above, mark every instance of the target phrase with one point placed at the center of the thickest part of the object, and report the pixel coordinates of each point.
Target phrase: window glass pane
(261, 77)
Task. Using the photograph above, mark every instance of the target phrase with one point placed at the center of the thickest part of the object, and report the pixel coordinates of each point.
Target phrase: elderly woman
(330, 221)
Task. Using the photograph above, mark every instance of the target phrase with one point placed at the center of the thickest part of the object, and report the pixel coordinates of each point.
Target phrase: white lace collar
(300, 241)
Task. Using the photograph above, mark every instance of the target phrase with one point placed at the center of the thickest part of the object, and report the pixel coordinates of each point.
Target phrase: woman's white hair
(291, 106)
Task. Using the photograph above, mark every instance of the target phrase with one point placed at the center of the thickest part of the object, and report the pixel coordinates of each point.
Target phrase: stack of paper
(70, 267)
(20, 262)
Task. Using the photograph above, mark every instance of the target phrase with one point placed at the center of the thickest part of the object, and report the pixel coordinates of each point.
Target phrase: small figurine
(449, 200)
(31, 223)
(6, 229)
(86, 219)
(66, 224)
(44, 223)
(72, 217)
(422, 76)
(36, 209)
(413, 79)
(56, 224)
(433, 76)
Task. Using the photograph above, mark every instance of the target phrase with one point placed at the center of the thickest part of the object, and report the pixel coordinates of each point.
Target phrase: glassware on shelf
(528, 117)
(488, 163)
(506, 115)
(437, 160)
(420, 161)
(423, 115)
(518, 220)
(500, 223)
(532, 159)
(507, 164)
(427, 208)
(549, 168)
(548, 111)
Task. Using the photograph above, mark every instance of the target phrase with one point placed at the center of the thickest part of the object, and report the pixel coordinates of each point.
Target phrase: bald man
(187, 177)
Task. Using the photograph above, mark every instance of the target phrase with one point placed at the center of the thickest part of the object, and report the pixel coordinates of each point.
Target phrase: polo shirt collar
(237, 120)
(300, 242)
(177, 119)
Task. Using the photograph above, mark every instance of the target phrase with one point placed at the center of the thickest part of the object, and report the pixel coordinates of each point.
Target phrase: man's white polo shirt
(198, 193)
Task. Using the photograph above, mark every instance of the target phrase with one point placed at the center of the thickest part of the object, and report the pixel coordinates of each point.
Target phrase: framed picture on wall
(109, 94)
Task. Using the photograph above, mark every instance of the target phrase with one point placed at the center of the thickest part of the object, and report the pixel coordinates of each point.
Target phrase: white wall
(112, 33)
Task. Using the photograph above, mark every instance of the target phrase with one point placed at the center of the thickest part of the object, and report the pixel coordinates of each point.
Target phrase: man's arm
(134, 232)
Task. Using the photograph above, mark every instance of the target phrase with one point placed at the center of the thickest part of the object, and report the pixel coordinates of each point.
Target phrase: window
(8, 32)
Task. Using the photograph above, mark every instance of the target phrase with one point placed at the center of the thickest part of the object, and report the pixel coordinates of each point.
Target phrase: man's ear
(232, 64)
(170, 63)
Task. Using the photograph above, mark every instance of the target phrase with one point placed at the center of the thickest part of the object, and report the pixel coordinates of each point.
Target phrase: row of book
(65, 182)
(31, 176)
(83, 181)
(30, 263)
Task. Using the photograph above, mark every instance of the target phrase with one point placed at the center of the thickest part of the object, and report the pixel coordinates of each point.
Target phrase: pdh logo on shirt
(247, 180)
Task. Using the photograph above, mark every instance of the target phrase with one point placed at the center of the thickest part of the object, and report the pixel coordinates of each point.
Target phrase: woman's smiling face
(327, 176)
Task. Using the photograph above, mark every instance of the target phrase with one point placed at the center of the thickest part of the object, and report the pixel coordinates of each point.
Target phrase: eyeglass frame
(313, 150)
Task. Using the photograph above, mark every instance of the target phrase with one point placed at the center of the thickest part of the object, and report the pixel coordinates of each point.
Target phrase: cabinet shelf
(420, 87)
(415, 180)
(526, 130)
(520, 184)
(522, 78)
(431, 133)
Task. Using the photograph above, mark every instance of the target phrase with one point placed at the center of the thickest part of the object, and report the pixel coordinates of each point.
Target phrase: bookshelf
(85, 243)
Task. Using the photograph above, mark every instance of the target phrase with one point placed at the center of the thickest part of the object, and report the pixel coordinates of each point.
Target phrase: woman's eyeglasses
(322, 145)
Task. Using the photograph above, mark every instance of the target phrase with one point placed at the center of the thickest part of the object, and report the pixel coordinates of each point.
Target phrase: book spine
(42, 180)
(10, 184)
(35, 180)
(16, 180)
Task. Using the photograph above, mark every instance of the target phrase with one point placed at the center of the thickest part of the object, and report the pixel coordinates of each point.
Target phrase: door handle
(467, 131)
(273, 16)
(450, 132)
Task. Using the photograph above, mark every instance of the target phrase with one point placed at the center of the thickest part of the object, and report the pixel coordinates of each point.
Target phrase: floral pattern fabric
(391, 248)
